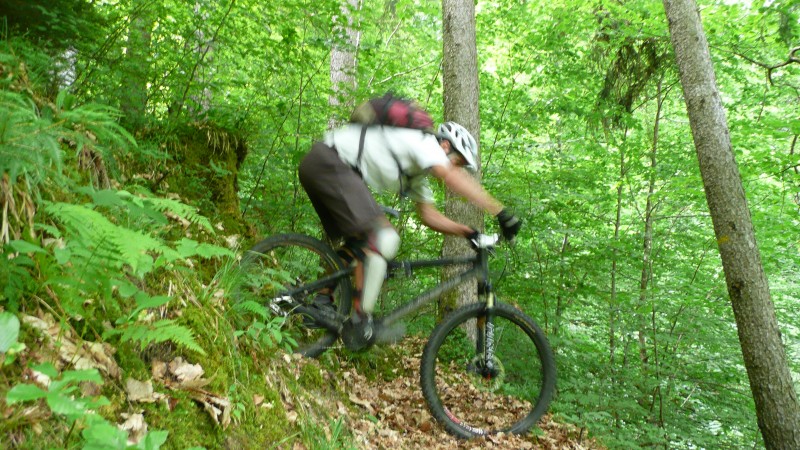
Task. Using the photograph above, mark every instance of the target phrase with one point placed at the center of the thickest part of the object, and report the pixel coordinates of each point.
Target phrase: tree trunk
(614, 317)
(204, 68)
(133, 92)
(647, 241)
(343, 61)
(460, 86)
(648, 393)
(759, 335)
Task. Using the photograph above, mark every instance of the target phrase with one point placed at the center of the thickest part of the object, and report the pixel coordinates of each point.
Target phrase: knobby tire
(469, 404)
(287, 260)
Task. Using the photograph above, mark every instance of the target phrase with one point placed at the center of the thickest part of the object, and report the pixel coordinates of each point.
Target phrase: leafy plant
(61, 399)
(335, 438)
(158, 331)
(9, 333)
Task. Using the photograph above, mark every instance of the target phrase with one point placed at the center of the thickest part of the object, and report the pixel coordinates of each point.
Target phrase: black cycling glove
(509, 224)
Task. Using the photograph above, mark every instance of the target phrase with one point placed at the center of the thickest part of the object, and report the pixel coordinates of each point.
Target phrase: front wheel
(486, 371)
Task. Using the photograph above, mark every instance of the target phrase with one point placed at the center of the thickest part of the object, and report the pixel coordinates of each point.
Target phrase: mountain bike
(486, 368)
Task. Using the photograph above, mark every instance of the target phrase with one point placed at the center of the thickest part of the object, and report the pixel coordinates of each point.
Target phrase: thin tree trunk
(133, 92)
(764, 354)
(460, 85)
(647, 241)
(613, 301)
(343, 60)
(647, 270)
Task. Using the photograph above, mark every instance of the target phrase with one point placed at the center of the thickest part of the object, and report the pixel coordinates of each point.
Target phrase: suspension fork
(485, 324)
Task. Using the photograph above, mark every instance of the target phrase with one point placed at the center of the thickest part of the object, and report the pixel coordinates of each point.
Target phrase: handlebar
(486, 241)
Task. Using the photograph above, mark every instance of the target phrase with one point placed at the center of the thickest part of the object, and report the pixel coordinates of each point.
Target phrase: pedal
(276, 305)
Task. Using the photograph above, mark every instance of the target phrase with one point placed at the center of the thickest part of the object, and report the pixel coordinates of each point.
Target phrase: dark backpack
(392, 111)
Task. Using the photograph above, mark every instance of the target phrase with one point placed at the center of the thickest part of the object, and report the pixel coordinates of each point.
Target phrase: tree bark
(460, 86)
(759, 335)
(133, 92)
(343, 61)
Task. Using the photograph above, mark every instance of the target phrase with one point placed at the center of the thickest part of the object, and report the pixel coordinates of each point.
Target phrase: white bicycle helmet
(462, 142)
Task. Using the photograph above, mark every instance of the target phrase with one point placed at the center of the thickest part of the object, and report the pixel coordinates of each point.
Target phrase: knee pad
(385, 241)
(383, 244)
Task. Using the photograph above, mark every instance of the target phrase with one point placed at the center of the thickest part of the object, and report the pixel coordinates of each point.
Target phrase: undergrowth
(116, 325)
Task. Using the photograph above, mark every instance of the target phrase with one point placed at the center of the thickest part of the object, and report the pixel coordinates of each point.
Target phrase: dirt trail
(403, 421)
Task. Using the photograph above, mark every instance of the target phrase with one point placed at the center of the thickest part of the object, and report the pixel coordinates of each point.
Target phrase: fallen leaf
(72, 350)
(135, 426)
(363, 403)
(158, 369)
(219, 408)
(141, 391)
(185, 371)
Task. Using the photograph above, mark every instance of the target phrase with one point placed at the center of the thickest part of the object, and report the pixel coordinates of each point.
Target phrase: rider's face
(455, 157)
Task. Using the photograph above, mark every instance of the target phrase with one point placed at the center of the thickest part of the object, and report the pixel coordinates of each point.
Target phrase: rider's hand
(478, 240)
(509, 224)
(473, 237)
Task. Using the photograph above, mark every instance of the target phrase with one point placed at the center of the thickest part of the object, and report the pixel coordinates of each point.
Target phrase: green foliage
(9, 333)
(547, 149)
(337, 440)
(267, 330)
(159, 331)
(61, 400)
(28, 142)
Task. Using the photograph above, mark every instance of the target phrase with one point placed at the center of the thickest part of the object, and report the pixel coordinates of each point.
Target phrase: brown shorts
(339, 195)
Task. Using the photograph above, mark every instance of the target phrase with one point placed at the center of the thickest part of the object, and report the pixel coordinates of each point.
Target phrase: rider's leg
(382, 244)
(370, 255)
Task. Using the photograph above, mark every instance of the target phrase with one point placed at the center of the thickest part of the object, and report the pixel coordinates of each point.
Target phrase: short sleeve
(419, 189)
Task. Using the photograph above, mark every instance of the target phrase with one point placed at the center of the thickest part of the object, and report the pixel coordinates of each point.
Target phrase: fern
(91, 123)
(28, 143)
(180, 210)
(146, 205)
(159, 331)
(31, 128)
(252, 307)
(130, 247)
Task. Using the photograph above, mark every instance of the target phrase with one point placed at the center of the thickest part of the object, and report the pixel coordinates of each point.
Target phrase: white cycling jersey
(386, 152)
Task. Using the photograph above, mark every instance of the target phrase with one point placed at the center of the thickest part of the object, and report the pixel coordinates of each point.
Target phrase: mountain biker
(336, 172)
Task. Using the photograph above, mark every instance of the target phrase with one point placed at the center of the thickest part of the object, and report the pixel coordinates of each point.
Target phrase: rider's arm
(433, 219)
(463, 184)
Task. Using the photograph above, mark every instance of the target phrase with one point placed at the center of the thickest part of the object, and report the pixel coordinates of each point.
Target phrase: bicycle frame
(479, 269)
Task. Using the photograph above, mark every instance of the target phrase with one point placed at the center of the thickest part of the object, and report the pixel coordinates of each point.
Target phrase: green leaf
(26, 247)
(188, 247)
(72, 408)
(83, 375)
(144, 301)
(153, 440)
(125, 288)
(104, 436)
(24, 393)
(46, 368)
(104, 197)
(9, 330)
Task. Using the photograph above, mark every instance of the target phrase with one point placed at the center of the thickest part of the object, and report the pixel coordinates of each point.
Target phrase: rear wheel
(472, 391)
(283, 262)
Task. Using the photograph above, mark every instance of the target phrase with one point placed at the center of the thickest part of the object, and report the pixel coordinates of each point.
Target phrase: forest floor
(390, 413)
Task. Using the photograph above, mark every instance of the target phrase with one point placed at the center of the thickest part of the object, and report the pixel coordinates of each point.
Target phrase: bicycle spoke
(284, 265)
(478, 394)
